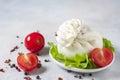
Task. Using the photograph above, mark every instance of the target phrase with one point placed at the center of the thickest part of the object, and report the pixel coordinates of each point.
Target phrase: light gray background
(20, 17)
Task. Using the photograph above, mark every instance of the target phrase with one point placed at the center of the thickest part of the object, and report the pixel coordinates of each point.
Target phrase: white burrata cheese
(73, 37)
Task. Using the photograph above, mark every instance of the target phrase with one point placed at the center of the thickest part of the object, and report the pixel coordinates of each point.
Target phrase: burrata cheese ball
(74, 37)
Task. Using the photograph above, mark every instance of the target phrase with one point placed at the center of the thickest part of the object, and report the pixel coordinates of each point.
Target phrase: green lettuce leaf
(107, 44)
(78, 61)
(91, 64)
(53, 50)
(55, 53)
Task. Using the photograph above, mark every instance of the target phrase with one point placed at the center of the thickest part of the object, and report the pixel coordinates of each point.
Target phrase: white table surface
(20, 17)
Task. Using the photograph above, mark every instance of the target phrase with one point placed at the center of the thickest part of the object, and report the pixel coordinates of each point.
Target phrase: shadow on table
(44, 51)
(38, 71)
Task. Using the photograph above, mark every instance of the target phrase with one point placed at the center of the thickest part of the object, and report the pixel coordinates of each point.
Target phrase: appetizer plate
(81, 70)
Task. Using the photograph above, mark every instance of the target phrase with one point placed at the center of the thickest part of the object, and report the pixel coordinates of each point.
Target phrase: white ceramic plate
(81, 70)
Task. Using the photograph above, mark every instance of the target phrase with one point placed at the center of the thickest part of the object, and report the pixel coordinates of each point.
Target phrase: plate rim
(82, 70)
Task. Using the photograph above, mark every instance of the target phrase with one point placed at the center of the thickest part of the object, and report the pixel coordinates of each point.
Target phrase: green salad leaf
(91, 64)
(55, 53)
(107, 44)
(79, 60)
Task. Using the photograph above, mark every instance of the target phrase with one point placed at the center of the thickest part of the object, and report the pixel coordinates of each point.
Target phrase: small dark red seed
(90, 74)
(69, 71)
(83, 74)
(2, 70)
(13, 65)
(16, 47)
(38, 54)
(59, 78)
(18, 69)
(9, 64)
(37, 77)
(12, 50)
(76, 76)
(47, 60)
(17, 36)
(39, 65)
(21, 43)
(56, 34)
(26, 73)
(80, 77)
(27, 78)
(39, 61)
(8, 61)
